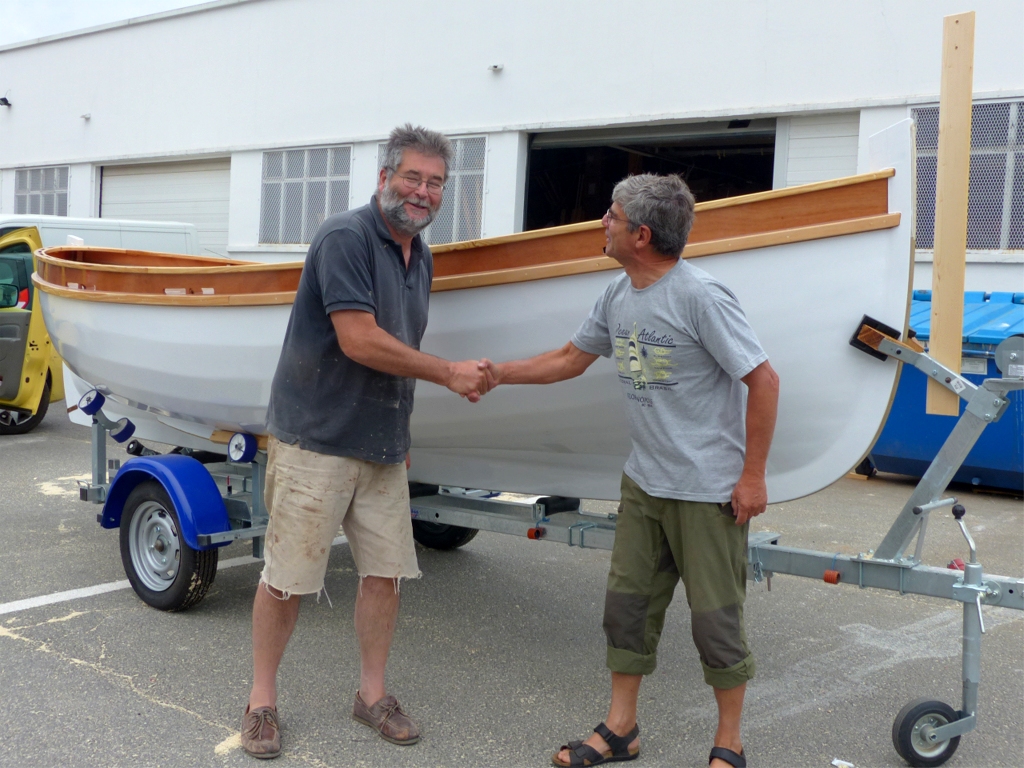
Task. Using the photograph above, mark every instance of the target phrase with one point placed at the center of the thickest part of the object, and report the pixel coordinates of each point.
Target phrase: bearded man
(339, 416)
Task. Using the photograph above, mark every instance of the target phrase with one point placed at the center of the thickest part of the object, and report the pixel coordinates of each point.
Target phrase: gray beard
(392, 205)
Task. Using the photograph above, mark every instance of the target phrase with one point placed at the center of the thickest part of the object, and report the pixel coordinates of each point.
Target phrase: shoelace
(263, 717)
(389, 710)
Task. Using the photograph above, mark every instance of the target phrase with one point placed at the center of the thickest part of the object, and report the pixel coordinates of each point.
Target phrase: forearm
(546, 368)
(762, 409)
(376, 348)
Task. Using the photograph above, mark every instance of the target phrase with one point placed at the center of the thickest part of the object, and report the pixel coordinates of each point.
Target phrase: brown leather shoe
(387, 718)
(261, 735)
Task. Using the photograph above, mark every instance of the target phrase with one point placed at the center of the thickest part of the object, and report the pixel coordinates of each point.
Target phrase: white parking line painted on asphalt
(113, 586)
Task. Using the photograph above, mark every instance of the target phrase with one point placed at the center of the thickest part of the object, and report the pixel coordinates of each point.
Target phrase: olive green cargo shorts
(657, 541)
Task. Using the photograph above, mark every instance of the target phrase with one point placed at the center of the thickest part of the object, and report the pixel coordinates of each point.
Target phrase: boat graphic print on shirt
(644, 357)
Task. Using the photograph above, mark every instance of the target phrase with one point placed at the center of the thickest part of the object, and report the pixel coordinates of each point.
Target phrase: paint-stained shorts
(657, 542)
(310, 495)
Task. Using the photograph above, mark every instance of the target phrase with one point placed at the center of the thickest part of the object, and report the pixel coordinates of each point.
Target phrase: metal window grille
(995, 206)
(42, 190)
(462, 207)
(301, 188)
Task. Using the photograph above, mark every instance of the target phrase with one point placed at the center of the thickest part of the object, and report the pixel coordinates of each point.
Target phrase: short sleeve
(726, 334)
(344, 271)
(593, 337)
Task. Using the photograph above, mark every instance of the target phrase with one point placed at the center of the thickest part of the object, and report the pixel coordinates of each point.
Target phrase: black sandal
(581, 754)
(733, 759)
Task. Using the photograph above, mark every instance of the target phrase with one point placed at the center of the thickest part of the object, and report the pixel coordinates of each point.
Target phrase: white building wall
(238, 78)
(280, 72)
(505, 183)
(83, 190)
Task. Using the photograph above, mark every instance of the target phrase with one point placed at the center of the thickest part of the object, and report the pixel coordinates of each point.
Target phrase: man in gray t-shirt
(701, 399)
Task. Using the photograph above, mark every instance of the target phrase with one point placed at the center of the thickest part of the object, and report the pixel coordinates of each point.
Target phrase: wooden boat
(187, 346)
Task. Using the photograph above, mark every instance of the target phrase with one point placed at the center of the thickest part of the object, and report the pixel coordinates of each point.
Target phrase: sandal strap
(732, 758)
(618, 744)
(583, 754)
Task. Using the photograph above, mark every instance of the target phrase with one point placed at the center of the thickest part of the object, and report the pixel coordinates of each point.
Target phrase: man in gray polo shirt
(701, 399)
(339, 414)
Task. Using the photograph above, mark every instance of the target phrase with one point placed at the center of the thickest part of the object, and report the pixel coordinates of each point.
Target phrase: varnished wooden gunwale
(813, 211)
(709, 248)
(245, 278)
(123, 257)
(795, 207)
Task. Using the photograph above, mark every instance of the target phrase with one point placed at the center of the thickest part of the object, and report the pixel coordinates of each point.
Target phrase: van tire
(21, 422)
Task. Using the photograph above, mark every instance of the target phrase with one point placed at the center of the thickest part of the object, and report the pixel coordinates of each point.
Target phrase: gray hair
(418, 139)
(664, 204)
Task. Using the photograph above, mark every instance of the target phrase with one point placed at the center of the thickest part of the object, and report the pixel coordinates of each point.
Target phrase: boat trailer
(174, 511)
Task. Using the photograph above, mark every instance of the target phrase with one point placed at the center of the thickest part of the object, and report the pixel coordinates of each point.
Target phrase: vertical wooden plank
(951, 186)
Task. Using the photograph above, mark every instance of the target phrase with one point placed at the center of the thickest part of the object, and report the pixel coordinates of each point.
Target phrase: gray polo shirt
(320, 398)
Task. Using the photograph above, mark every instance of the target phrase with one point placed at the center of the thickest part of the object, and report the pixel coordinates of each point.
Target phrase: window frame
(1010, 148)
(308, 221)
(24, 194)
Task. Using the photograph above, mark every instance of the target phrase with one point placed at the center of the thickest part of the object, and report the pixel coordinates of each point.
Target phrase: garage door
(194, 192)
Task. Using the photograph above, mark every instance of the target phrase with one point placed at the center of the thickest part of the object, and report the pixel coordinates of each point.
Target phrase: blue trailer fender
(195, 495)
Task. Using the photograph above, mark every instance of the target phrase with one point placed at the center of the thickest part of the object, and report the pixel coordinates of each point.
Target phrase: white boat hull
(186, 373)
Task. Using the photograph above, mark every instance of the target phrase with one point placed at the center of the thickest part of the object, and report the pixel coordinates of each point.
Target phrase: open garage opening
(572, 173)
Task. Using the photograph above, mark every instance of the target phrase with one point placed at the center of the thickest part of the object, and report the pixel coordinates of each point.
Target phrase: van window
(7, 276)
(21, 247)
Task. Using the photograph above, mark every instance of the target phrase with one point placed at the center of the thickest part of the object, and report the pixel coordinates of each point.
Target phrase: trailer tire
(441, 536)
(908, 732)
(22, 422)
(162, 568)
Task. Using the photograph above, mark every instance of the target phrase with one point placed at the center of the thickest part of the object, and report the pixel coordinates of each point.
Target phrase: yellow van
(30, 369)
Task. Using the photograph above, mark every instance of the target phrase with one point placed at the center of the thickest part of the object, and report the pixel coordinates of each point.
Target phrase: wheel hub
(154, 546)
(925, 741)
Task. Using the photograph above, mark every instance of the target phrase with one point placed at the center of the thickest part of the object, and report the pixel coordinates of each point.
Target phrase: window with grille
(301, 188)
(42, 190)
(462, 206)
(995, 206)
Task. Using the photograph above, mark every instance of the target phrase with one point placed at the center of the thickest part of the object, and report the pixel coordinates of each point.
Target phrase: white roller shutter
(816, 148)
(194, 192)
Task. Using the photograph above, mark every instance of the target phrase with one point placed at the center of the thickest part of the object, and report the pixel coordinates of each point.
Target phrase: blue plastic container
(911, 438)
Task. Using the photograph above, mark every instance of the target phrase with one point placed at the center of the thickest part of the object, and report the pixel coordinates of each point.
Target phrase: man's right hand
(465, 378)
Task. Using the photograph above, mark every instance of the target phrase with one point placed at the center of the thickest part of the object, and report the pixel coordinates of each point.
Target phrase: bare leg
(376, 614)
(730, 710)
(273, 620)
(621, 713)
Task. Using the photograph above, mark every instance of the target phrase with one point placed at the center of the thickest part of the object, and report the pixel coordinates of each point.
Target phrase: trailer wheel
(21, 422)
(910, 729)
(441, 536)
(162, 568)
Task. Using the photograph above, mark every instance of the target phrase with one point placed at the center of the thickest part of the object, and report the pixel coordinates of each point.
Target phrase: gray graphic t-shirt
(681, 346)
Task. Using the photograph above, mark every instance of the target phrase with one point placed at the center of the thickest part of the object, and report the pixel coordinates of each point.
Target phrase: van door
(13, 329)
(22, 355)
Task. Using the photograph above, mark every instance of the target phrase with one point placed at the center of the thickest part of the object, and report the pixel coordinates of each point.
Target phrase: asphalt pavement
(499, 652)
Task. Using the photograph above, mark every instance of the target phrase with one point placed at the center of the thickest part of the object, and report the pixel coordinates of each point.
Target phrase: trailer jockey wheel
(162, 568)
(441, 536)
(910, 732)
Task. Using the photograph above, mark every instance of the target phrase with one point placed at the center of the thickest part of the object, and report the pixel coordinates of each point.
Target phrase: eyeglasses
(412, 182)
(612, 217)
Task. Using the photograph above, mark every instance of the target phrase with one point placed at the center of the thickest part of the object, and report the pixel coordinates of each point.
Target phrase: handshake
(472, 379)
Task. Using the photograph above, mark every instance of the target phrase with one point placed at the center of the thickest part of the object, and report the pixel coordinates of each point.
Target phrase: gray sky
(29, 19)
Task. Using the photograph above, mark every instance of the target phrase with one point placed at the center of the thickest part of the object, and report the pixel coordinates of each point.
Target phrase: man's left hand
(749, 498)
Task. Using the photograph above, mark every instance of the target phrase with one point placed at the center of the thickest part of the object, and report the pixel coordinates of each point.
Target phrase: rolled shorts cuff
(729, 677)
(630, 663)
(418, 574)
(295, 589)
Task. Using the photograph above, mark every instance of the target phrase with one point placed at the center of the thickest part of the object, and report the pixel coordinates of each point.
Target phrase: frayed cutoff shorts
(657, 542)
(310, 495)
